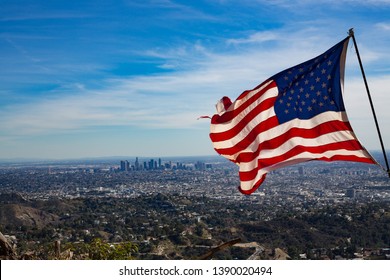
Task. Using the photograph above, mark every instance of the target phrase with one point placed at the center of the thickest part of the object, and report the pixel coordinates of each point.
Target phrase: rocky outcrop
(7, 251)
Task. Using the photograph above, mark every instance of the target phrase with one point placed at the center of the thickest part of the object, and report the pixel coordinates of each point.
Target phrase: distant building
(125, 165)
(151, 164)
(122, 165)
(200, 166)
(351, 193)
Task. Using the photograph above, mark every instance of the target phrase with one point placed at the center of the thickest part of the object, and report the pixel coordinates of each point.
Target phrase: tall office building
(125, 165)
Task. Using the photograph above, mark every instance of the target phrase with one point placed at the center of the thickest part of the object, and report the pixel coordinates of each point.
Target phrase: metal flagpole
(352, 34)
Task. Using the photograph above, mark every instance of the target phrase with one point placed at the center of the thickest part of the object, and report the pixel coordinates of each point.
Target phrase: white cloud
(359, 110)
(384, 26)
(257, 37)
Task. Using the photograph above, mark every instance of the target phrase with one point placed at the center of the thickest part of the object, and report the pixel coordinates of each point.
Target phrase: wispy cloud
(173, 10)
(384, 26)
(24, 14)
(169, 100)
(258, 37)
(154, 102)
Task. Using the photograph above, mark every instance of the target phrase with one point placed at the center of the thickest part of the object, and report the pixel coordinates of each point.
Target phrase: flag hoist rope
(352, 34)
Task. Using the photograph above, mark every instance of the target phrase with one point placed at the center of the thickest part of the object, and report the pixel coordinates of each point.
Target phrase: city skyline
(91, 79)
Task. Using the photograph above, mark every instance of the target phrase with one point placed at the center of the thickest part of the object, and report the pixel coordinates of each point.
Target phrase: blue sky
(112, 78)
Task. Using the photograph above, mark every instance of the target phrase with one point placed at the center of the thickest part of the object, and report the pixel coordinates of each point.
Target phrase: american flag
(295, 116)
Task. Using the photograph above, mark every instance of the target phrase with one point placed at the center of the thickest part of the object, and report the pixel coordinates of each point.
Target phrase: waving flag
(295, 116)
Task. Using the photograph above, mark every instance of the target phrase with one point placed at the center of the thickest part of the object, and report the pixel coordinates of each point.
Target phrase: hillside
(17, 215)
(180, 227)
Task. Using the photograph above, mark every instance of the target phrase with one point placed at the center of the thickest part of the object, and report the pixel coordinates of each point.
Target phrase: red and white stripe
(248, 133)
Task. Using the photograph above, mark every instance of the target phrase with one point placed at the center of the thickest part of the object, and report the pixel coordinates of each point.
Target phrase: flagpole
(351, 33)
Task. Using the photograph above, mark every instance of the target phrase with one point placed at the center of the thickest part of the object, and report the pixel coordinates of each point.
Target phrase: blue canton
(310, 88)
